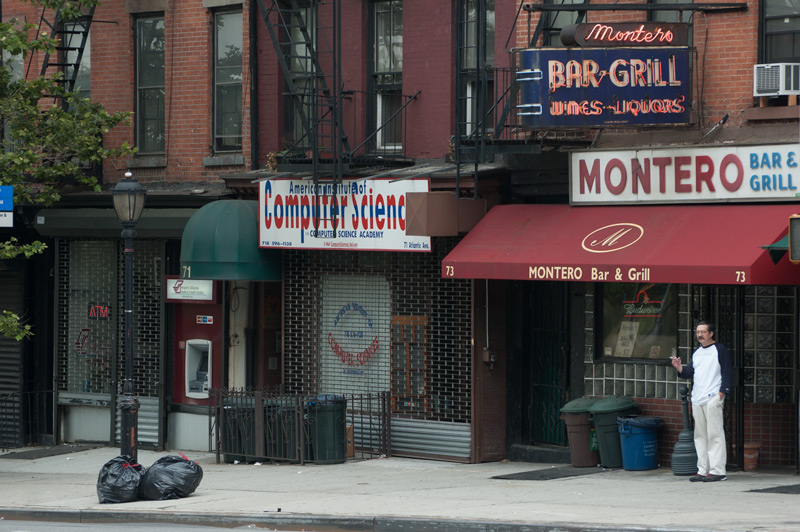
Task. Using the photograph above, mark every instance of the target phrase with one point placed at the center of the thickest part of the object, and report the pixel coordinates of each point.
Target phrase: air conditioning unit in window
(776, 79)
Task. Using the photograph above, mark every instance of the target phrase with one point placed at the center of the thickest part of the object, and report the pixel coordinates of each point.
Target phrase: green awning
(220, 242)
(777, 249)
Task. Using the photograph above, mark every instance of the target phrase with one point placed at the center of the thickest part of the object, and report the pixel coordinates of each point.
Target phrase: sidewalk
(410, 495)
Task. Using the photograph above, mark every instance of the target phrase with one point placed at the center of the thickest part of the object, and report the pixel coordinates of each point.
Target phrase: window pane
(391, 134)
(470, 57)
(229, 46)
(228, 117)
(228, 81)
(83, 79)
(151, 52)
(782, 7)
(151, 120)
(778, 25)
(389, 37)
(150, 85)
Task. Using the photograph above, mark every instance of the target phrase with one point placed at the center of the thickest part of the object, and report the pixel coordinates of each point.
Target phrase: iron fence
(248, 425)
(26, 418)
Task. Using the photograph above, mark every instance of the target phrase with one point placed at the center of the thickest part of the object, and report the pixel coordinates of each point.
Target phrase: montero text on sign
(680, 174)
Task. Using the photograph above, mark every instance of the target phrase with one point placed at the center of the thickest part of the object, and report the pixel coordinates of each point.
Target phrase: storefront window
(638, 321)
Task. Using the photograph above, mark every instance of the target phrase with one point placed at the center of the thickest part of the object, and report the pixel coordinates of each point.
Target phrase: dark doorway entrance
(538, 366)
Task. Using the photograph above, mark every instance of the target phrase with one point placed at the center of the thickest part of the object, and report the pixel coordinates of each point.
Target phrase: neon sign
(625, 34)
(571, 87)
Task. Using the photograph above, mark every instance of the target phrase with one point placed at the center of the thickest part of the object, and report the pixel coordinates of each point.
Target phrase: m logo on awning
(612, 237)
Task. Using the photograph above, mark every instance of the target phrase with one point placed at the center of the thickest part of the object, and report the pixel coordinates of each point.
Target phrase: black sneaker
(698, 478)
(715, 478)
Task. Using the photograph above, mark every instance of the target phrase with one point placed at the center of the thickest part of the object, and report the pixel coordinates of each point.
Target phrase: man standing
(712, 373)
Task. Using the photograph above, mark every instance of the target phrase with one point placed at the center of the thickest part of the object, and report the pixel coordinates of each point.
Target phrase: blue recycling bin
(639, 441)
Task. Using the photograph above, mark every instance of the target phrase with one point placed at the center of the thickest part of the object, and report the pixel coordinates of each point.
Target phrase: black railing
(26, 418)
(249, 425)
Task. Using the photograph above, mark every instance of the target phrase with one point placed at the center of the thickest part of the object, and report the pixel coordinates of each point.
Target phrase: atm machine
(197, 339)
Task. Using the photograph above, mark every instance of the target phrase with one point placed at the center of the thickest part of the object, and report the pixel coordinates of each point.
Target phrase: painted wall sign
(696, 174)
(626, 34)
(368, 214)
(577, 87)
(98, 312)
(356, 330)
(189, 290)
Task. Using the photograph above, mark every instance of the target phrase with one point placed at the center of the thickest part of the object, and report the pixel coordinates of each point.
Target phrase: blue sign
(6, 198)
(579, 87)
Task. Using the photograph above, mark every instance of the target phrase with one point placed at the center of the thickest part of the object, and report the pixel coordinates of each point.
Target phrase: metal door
(11, 411)
(547, 352)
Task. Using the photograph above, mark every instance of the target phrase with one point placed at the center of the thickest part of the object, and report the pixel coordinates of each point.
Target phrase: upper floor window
(83, 83)
(388, 72)
(781, 31)
(299, 110)
(671, 16)
(472, 30)
(150, 133)
(477, 96)
(228, 81)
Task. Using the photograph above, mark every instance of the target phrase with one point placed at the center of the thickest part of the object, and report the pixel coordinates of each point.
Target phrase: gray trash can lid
(615, 403)
(578, 406)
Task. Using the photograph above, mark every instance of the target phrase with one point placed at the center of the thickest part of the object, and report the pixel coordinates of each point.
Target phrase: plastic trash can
(604, 414)
(239, 431)
(327, 427)
(580, 433)
(639, 441)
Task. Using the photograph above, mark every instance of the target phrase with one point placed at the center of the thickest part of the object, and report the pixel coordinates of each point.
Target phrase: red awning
(699, 244)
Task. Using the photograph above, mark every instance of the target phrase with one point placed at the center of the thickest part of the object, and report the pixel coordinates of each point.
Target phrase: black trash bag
(119, 480)
(170, 477)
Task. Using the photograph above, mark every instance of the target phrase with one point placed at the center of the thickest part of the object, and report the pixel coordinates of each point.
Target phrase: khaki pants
(709, 437)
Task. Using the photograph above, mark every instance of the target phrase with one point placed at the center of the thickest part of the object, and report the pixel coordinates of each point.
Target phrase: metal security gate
(91, 361)
(547, 358)
(11, 404)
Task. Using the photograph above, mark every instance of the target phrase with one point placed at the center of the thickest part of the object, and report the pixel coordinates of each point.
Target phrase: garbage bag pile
(170, 477)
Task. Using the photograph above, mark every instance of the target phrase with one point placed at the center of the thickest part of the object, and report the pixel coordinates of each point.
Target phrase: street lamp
(129, 198)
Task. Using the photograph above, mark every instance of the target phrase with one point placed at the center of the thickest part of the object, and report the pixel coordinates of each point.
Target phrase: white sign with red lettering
(358, 214)
(680, 175)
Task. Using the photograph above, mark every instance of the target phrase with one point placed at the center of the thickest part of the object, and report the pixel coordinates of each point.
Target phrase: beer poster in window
(639, 320)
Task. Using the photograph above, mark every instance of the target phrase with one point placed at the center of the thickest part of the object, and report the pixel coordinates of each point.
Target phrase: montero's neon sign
(625, 34)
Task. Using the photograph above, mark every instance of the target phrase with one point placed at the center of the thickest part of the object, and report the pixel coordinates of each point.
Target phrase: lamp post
(129, 198)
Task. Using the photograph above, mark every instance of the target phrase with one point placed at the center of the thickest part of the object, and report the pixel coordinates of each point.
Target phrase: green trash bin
(327, 428)
(580, 433)
(239, 431)
(287, 419)
(604, 414)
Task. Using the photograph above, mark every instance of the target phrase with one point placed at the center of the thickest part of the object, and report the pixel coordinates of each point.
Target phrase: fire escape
(63, 64)
(303, 45)
(306, 36)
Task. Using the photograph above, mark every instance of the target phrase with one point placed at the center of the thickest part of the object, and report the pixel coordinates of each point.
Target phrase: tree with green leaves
(49, 136)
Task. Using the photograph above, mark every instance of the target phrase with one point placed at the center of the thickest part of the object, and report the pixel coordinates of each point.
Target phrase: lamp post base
(130, 414)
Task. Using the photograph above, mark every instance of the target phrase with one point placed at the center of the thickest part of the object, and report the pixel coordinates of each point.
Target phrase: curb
(306, 522)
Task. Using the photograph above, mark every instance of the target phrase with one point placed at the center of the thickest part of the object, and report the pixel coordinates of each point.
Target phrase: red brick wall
(188, 56)
(772, 424)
